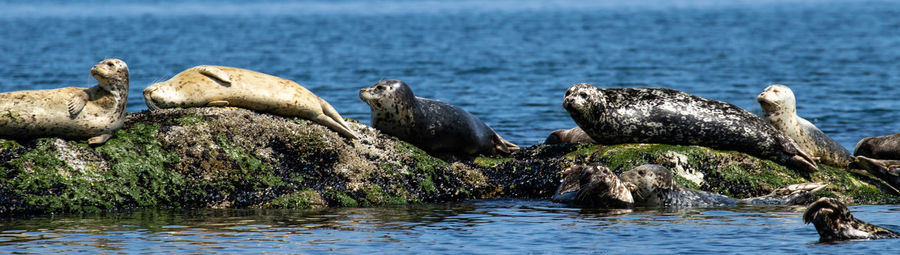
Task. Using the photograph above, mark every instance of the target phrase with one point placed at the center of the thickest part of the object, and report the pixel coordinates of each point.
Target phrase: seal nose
(148, 98)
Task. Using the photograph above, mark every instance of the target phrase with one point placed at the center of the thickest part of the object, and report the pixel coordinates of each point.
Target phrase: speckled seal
(95, 113)
(202, 86)
(834, 222)
(779, 108)
(659, 115)
(432, 125)
(879, 147)
(572, 135)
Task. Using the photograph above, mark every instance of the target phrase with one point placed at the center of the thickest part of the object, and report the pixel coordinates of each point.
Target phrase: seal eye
(379, 87)
(582, 94)
(110, 64)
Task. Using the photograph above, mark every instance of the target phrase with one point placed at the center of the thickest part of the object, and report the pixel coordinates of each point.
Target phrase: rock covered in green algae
(534, 171)
(236, 158)
(224, 158)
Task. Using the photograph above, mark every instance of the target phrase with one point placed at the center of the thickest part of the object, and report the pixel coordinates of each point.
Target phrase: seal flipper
(76, 101)
(798, 157)
(334, 125)
(329, 111)
(502, 145)
(100, 139)
(215, 73)
(218, 103)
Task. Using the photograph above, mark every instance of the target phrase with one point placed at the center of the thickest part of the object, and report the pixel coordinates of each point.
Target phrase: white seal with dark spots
(779, 108)
(658, 115)
(430, 124)
(95, 113)
(202, 86)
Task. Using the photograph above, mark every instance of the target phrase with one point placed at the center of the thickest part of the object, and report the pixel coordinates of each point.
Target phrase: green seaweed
(9, 144)
(189, 120)
(301, 199)
(491, 162)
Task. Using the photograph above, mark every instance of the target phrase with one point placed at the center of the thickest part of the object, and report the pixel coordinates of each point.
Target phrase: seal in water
(880, 147)
(658, 115)
(593, 186)
(572, 135)
(94, 113)
(779, 108)
(834, 222)
(228, 86)
(429, 124)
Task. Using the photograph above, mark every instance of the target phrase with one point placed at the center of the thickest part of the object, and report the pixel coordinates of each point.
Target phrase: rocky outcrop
(236, 158)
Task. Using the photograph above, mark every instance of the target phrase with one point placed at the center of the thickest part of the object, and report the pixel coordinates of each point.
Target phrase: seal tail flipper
(215, 73)
(502, 145)
(334, 125)
(886, 170)
(800, 158)
(100, 139)
(331, 112)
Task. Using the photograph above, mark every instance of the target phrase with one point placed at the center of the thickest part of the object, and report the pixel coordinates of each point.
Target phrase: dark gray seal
(658, 115)
(430, 124)
(779, 107)
(593, 186)
(887, 170)
(834, 222)
(880, 147)
(572, 135)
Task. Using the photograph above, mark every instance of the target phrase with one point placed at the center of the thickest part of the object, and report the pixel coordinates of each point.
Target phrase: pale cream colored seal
(228, 86)
(72, 112)
(780, 109)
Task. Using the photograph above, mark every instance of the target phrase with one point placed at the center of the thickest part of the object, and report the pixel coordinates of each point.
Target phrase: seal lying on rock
(881, 147)
(228, 86)
(95, 113)
(779, 108)
(658, 115)
(885, 169)
(834, 222)
(654, 185)
(572, 135)
(430, 124)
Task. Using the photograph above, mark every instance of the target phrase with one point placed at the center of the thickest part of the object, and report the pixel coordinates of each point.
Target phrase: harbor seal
(95, 113)
(779, 108)
(659, 115)
(430, 124)
(834, 222)
(228, 86)
(880, 147)
(887, 170)
(572, 135)
(593, 186)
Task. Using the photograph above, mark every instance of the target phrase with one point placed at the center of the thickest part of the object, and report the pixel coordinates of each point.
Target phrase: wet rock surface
(237, 158)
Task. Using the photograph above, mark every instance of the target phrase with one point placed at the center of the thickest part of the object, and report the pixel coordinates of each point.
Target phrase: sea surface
(508, 62)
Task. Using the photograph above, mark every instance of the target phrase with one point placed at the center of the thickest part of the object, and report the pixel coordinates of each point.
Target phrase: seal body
(228, 86)
(779, 108)
(430, 124)
(834, 222)
(658, 115)
(572, 135)
(94, 113)
(880, 147)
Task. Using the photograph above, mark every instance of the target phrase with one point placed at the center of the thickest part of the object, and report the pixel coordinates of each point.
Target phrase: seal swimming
(593, 186)
(834, 222)
(228, 86)
(779, 108)
(429, 124)
(572, 135)
(95, 113)
(659, 115)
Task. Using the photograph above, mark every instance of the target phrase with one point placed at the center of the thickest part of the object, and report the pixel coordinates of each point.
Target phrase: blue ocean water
(509, 63)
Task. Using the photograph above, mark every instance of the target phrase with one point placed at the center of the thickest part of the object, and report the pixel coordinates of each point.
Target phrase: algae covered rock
(236, 158)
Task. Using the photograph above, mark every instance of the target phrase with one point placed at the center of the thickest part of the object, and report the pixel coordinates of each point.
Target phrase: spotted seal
(659, 115)
(72, 112)
(880, 147)
(779, 108)
(202, 86)
(572, 135)
(593, 186)
(429, 124)
(654, 185)
(834, 222)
